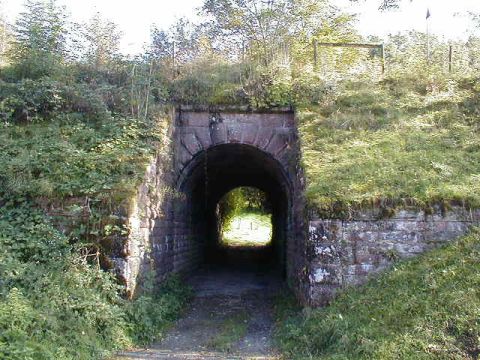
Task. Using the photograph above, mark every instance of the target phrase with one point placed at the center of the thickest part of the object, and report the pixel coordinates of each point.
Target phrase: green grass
(54, 304)
(85, 171)
(68, 173)
(63, 159)
(425, 308)
(399, 142)
(248, 229)
(230, 332)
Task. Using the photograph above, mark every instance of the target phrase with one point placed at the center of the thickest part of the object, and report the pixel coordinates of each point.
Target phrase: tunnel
(213, 173)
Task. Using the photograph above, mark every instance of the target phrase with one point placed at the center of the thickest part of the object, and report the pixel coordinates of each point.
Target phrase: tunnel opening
(245, 219)
(208, 178)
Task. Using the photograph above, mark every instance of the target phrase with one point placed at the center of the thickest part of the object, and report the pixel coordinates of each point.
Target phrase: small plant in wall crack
(391, 255)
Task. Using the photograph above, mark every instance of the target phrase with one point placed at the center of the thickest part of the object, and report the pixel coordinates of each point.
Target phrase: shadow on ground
(231, 317)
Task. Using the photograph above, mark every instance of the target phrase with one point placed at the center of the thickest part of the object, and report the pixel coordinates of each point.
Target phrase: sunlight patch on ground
(248, 230)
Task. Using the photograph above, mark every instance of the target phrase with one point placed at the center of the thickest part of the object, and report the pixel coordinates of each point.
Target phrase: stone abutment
(208, 152)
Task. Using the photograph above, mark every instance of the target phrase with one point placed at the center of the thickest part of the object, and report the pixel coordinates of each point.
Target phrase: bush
(152, 312)
(55, 305)
(209, 82)
(30, 100)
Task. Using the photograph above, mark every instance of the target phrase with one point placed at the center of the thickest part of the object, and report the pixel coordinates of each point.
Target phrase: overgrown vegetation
(428, 308)
(77, 130)
(54, 304)
(241, 200)
(245, 217)
(79, 123)
(405, 141)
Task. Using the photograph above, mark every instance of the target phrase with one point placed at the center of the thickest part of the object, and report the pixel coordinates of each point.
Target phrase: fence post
(450, 57)
(382, 49)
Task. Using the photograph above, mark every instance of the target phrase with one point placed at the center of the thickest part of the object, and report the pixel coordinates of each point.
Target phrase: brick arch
(203, 158)
(172, 220)
(239, 149)
(272, 133)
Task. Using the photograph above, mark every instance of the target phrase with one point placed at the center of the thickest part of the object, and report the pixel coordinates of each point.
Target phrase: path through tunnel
(212, 174)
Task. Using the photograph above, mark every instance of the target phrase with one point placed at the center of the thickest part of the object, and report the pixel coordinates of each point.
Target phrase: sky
(135, 18)
(448, 17)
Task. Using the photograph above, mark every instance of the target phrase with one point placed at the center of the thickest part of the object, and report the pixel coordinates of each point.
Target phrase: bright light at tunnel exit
(248, 230)
(247, 219)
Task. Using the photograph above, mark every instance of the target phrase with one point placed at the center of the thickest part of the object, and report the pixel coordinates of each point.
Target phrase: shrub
(55, 305)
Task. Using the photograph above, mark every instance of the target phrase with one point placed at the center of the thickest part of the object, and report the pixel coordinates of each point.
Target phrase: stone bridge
(175, 227)
(216, 152)
(213, 152)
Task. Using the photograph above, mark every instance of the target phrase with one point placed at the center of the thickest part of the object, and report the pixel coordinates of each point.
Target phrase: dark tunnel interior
(215, 172)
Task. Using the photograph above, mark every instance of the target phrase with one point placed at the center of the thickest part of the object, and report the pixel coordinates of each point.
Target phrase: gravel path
(231, 317)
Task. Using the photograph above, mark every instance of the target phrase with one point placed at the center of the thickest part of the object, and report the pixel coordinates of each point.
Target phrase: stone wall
(167, 223)
(273, 134)
(347, 252)
(168, 228)
(150, 243)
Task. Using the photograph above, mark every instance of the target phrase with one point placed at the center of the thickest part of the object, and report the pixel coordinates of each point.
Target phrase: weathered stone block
(263, 137)
(234, 133)
(324, 231)
(203, 136)
(191, 143)
(249, 133)
(218, 133)
(195, 119)
(327, 274)
(277, 144)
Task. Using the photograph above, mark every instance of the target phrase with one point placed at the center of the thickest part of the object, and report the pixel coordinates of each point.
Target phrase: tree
(180, 43)
(3, 36)
(386, 4)
(389, 4)
(39, 33)
(161, 47)
(266, 28)
(102, 41)
(254, 24)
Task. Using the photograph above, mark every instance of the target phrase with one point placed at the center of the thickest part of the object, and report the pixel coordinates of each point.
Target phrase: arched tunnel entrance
(208, 177)
(174, 222)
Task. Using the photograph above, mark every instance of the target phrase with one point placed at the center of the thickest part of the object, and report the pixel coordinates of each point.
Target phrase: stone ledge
(234, 109)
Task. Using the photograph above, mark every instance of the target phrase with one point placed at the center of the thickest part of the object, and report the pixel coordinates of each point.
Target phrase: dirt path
(231, 317)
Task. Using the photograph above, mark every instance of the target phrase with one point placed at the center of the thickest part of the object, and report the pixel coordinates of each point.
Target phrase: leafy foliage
(54, 305)
(156, 309)
(101, 39)
(40, 38)
(242, 200)
(247, 205)
(78, 127)
(89, 161)
(428, 308)
(75, 139)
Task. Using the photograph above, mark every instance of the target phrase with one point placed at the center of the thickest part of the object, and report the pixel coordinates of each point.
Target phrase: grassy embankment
(400, 142)
(64, 151)
(424, 308)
